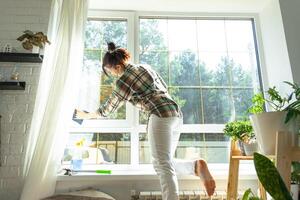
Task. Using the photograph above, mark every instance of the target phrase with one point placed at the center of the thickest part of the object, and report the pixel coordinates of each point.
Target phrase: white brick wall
(19, 15)
(16, 107)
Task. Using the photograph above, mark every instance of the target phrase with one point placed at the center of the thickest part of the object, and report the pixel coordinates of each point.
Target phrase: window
(97, 86)
(209, 64)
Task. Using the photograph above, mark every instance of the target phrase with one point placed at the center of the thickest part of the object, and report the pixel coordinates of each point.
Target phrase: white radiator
(184, 195)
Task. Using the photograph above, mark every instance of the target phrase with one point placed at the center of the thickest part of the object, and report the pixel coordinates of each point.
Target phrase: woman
(144, 88)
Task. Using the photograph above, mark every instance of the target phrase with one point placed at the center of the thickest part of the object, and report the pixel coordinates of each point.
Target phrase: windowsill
(246, 172)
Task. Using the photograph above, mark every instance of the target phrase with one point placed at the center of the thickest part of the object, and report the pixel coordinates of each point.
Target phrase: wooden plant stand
(285, 153)
(233, 175)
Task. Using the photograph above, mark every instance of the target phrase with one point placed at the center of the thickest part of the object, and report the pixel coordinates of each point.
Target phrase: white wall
(204, 6)
(275, 60)
(16, 107)
(291, 21)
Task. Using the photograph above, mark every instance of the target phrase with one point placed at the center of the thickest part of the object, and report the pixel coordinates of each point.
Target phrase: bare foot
(202, 171)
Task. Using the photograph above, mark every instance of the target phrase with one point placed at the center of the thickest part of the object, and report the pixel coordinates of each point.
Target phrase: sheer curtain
(59, 80)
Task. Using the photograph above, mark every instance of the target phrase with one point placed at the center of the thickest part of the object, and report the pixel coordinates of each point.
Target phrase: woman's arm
(120, 94)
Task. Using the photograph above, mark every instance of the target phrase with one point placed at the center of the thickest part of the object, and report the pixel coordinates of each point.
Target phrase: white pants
(163, 136)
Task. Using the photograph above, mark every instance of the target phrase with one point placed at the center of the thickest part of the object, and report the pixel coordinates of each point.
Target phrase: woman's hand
(79, 114)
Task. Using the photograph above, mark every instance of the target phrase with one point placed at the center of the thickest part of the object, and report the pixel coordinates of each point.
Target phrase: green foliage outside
(183, 71)
(205, 95)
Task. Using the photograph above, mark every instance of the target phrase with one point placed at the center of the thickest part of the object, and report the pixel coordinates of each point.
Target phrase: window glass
(210, 66)
(98, 148)
(213, 147)
(95, 87)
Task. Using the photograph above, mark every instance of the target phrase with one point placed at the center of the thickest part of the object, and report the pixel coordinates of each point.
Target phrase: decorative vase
(76, 164)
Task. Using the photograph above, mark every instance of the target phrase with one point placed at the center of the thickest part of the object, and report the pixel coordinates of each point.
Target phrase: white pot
(266, 125)
(295, 191)
(250, 148)
(35, 49)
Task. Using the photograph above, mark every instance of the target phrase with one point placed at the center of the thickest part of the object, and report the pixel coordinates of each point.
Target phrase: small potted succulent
(33, 41)
(242, 132)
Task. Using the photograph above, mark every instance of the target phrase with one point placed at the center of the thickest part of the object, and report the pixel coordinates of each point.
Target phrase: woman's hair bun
(111, 46)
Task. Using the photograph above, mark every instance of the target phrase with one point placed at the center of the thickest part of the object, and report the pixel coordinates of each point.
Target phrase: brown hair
(114, 56)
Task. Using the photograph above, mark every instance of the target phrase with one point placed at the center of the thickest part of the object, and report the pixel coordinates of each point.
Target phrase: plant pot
(266, 125)
(295, 191)
(35, 49)
(241, 146)
(250, 148)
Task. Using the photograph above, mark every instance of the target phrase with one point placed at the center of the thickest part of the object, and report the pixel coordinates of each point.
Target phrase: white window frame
(131, 123)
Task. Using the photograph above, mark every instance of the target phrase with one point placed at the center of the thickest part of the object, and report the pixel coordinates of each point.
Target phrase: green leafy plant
(295, 175)
(258, 103)
(270, 178)
(239, 130)
(278, 102)
(275, 100)
(249, 195)
(30, 39)
(293, 109)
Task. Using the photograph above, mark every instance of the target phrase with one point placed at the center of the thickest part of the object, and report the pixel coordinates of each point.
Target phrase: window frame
(131, 123)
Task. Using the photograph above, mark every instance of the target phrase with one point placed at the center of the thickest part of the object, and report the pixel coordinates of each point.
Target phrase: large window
(210, 67)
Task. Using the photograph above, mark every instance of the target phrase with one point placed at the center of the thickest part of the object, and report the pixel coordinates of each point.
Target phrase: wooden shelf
(233, 174)
(12, 85)
(249, 157)
(21, 57)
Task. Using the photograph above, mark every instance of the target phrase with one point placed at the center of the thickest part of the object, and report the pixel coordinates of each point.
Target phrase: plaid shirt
(145, 89)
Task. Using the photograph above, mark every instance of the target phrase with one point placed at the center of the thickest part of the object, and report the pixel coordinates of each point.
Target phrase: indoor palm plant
(242, 132)
(284, 116)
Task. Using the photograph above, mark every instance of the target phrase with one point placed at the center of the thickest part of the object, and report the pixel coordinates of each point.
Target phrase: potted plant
(270, 178)
(33, 41)
(282, 118)
(242, 132)
(79, 154)
(249, 195)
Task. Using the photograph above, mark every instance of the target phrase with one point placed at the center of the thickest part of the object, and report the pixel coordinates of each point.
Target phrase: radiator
(184, 195)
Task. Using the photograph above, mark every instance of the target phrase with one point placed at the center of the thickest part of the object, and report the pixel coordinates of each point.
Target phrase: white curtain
(55, 101)
(90, 77)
